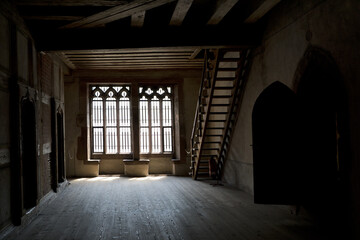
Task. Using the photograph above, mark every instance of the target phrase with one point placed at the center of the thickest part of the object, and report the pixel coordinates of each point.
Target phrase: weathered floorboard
(161, 207)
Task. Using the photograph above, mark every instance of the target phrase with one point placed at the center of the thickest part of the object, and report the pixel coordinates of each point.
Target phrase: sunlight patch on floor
(97, 179)
(108, 178)
(103, 179)
(151, 178)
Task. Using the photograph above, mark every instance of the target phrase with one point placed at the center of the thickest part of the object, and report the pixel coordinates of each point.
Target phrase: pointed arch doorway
(277, 166)
(321, 91)
(301, 143)
(60, 145)
(28, 153)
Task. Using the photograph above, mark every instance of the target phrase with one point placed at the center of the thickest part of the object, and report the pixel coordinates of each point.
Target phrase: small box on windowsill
(136, 168)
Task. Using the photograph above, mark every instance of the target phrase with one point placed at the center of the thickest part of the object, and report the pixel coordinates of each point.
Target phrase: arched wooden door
(322, 95)
(60, 145)
(28, 155)
(278, 171)
(301, 143)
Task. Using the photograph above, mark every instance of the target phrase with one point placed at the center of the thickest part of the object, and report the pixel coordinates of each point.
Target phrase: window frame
(103, 95)
(134, 127)
(155, 87)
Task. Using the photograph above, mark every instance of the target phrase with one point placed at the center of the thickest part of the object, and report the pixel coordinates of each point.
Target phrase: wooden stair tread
(229, 59)
(225, 78)
(224, 87)
(202, 173)
(203, 167)
(220, 104)
(208, 155)
(221, 96)
(208, 142)
(218, 112)
(227, 68)
(216, 120)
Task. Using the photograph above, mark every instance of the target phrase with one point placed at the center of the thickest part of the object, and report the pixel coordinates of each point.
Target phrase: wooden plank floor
(161, 207)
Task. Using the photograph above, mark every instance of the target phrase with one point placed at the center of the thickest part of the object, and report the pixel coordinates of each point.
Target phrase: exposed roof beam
(116, 13)
(127, 51)
(68, 63)
(128, 58)
(195, 53)
(181, 9)
(141, 67)
(71, 3)
(132, 56)
(131, 63)
(102, 38)
(137, 19)
(261, 9)
(97, 61)
(224, 6)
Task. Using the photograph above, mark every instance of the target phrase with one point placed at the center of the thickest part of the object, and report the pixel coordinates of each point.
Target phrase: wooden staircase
(220, 94)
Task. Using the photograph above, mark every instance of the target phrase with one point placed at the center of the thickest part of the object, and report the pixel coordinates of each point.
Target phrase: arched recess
(278, 171)
(60, 145)
(320, 89)
(28, 153)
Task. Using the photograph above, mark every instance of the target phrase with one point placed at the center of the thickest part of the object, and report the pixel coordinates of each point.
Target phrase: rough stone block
(136, 168)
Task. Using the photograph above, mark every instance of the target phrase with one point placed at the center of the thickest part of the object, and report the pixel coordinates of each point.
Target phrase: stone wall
(292, 27)
(25, 74)
(77, 118)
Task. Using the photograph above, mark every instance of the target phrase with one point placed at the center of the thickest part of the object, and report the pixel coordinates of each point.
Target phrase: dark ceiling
(162, 32)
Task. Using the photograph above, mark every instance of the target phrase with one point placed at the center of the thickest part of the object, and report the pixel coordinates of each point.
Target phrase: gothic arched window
(110, 121)
(156, 119)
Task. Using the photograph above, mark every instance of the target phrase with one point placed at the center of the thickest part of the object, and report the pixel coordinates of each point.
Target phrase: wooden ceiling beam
(149, 67)
(97, 38)
(223, 7)
(181, 9)
(259, 9)
(137, 19)
(140, 65)
(116, 13)
(136, 51)
(71, 3)
(138, 61)
(200, 61)
(129, 65)
(132, 56)
(65, 60)
(195, 53)
(137, 64)
(129, 58)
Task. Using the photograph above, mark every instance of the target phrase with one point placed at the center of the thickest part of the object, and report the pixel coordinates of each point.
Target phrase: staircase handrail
(205, 68)
(211, 83)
